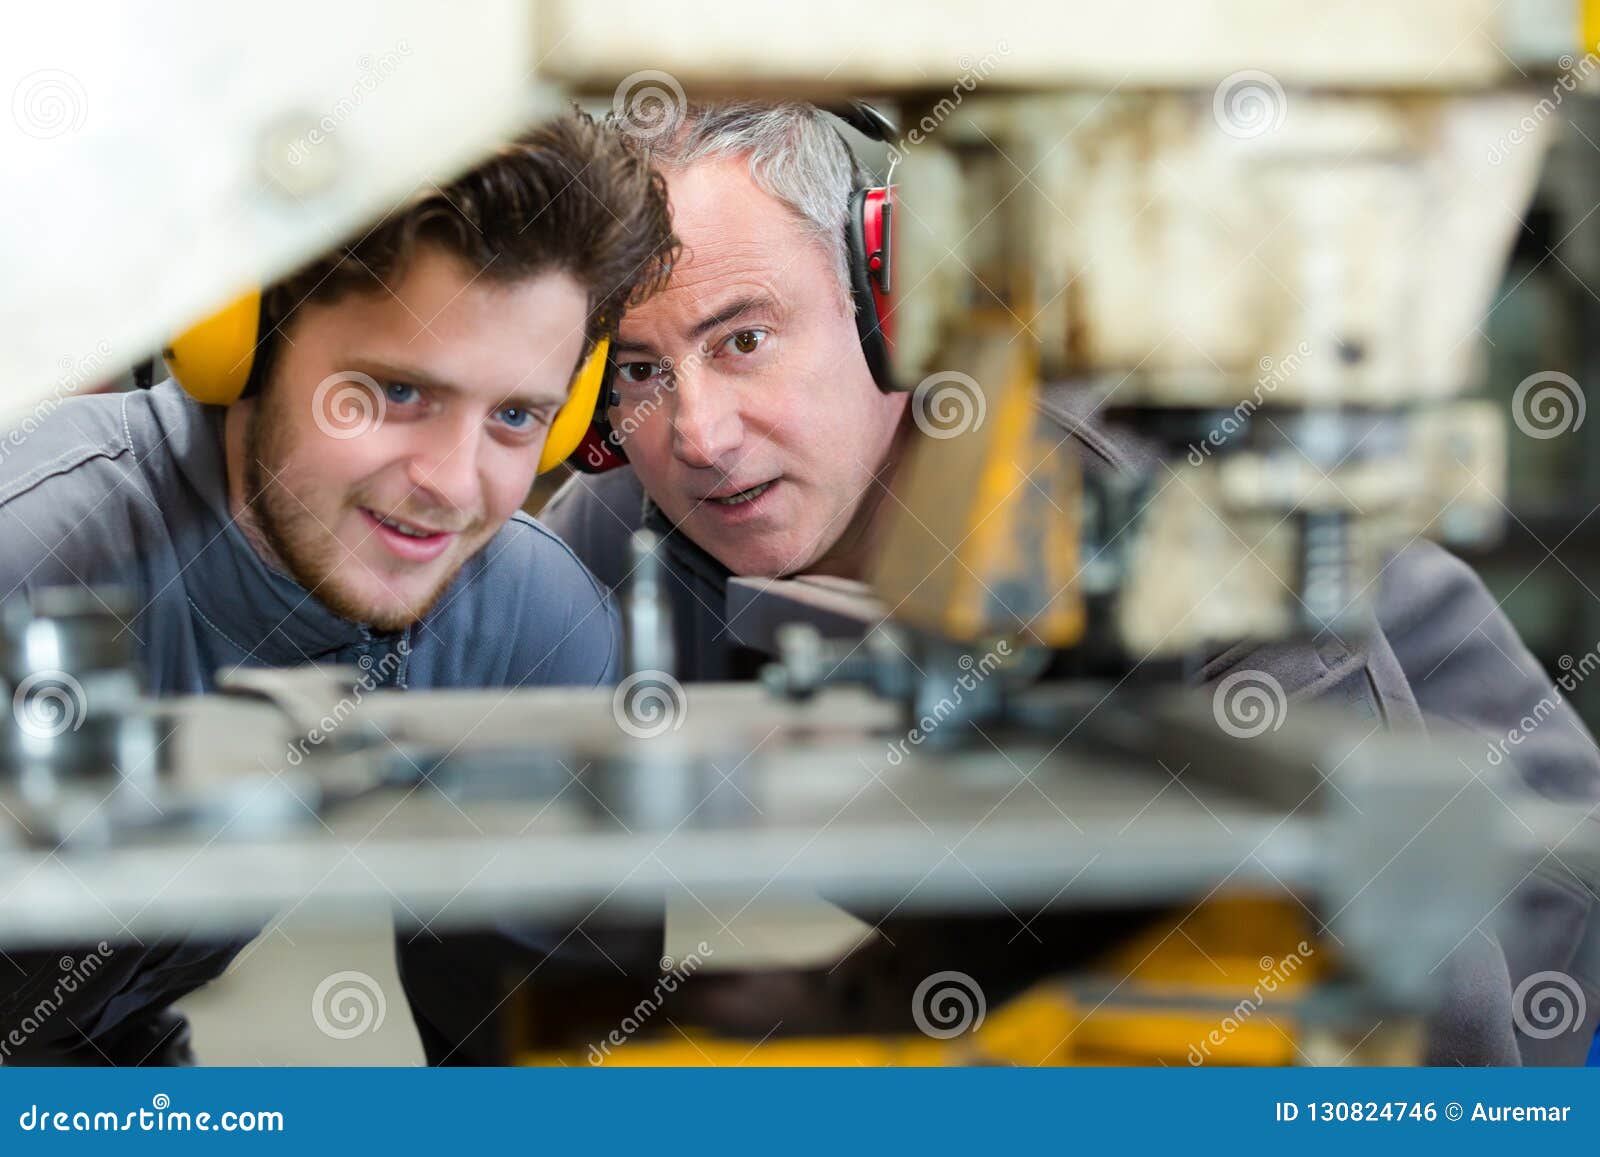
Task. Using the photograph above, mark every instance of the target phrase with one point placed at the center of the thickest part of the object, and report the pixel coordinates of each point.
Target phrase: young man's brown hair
(573, 195)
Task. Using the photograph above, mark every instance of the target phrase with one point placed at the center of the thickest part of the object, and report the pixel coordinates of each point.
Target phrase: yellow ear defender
(577, 412)
(212, 360)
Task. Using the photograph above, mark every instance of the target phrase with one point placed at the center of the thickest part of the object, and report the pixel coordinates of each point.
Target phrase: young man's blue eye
(515, 417)
(400, 393)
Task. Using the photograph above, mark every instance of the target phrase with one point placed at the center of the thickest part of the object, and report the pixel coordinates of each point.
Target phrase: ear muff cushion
(212, 359)
(573, 419)
(873, 345)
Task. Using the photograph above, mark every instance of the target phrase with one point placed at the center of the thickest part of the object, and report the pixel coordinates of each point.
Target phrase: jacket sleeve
(1443, 651)
(1465, 663)
(68, 506)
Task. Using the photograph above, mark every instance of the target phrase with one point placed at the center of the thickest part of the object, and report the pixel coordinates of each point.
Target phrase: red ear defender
(869, 235)
(599, 450)
(597, 453)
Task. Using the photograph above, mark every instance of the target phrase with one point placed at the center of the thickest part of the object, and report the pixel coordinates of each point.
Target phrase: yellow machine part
(1241, 957)
(982, 536)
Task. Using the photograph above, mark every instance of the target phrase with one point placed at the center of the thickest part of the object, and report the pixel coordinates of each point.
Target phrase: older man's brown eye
(746, 341)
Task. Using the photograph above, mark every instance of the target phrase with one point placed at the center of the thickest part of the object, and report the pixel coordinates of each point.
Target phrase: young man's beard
(294, 537)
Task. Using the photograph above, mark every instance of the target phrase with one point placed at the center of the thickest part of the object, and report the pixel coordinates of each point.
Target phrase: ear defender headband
(869, 250)
(213, 361)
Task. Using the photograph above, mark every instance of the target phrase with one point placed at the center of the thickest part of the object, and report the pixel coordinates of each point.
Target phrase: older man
(758, 442)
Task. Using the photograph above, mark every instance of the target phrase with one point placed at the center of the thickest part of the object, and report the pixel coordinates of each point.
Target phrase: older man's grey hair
(796, 153)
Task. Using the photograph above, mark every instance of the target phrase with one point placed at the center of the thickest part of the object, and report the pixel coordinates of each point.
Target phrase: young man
(764, 450)
(359, 504)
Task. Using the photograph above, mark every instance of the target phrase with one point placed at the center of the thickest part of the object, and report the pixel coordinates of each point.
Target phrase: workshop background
(289, 997)
(1546, 317)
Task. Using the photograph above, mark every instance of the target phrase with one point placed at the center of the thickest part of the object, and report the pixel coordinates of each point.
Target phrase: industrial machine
(1265, 233)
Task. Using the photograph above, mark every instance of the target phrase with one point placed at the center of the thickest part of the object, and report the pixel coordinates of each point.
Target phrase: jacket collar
(682, 549)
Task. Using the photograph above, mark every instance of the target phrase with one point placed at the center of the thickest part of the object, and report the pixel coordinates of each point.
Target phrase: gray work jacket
(1441, 649)
(131, 490)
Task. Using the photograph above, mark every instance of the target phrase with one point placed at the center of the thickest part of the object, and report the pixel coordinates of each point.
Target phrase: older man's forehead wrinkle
(731, 247)
(725, 265)
(672, 315)
(716, 269)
